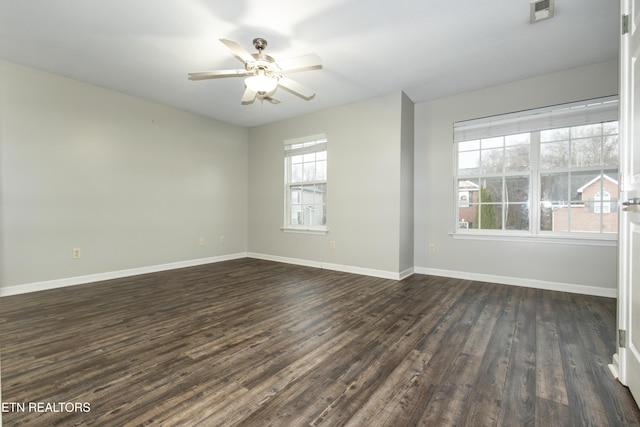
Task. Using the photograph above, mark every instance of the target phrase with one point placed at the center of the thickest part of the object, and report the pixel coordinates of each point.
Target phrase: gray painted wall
(134, 184)
(363, 192)
(130, 182)
(573, 264)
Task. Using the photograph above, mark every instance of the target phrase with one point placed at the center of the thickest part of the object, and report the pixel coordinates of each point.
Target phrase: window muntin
(306, 183)
(569, 171)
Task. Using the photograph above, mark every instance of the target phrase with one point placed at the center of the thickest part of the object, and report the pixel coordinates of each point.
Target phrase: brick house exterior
(585, 214)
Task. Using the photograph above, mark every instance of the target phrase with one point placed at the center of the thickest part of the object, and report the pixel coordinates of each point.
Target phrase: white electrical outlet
(201, 241)
(432, 248)
(75, 253)
(222, 240)
(332, 244)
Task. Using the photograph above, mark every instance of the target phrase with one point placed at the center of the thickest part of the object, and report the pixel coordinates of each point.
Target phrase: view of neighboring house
(593, 206)
(467, 203)
(597, 205)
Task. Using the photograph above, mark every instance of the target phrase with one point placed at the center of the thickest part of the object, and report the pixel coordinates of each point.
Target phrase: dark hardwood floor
(250, 342)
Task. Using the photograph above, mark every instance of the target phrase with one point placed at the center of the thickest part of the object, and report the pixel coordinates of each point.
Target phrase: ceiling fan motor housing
(260, 44)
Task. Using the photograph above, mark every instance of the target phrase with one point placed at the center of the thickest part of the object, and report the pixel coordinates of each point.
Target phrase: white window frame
(566, 115)
(308, 144)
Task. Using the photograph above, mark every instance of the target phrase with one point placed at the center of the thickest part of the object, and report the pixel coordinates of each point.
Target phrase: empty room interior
(291, 214)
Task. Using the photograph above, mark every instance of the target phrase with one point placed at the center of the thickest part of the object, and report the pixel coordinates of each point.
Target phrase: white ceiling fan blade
(296, 88)
(238, 51)
(300, 63)
(248, 96)
(218, 74)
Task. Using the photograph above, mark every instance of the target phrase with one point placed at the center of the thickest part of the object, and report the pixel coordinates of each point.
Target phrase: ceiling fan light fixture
(261, 83)
(263, 74)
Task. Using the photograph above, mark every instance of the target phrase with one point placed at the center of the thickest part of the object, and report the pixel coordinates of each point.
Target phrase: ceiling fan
(264, 74)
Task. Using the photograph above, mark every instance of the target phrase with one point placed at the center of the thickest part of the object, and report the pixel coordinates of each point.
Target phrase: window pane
(319, 215)
(517, 216)
(490, 217)
(308, 194)
(610, 150)
(492, 160)
(586, 130)
(297, 217)
(554, 155)
(582, 212)
(521, 138)
(559, 134)
(586, 152)
(296, 173)
(467, 203)
(516, 158)
(321, 191)
(546, 217)
(490, 209)
(492, 191)
(517, 189)
(554, 188)
(492, 142)
(581, 182)
(469, 163)
(610, 128)
(469, 145)
(554, 202)
(296, 195)
(309, 171)
(321, 170)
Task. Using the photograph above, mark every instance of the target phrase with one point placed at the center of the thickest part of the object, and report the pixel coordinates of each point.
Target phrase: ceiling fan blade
(248, 96)
(300, 63)
(218, 74)
(296, 88)
(238, 51)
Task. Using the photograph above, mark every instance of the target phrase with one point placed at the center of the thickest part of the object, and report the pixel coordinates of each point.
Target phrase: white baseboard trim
(80, 280)
(516, 281)
(335, 267)
(285, 260)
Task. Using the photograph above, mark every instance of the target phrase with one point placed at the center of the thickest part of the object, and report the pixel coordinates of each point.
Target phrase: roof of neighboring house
(468, 185)
(597, 178)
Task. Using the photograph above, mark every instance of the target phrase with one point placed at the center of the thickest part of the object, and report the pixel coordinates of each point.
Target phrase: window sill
(542, 238)
(302, 230)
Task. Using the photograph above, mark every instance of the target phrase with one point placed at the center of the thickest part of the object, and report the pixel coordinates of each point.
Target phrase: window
(305, 164)
(551, 171)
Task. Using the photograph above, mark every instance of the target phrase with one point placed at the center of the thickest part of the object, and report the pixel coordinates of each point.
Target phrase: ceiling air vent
(541, 9)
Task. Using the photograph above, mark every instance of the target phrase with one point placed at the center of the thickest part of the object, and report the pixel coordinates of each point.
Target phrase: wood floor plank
(550, 383)
(253, 342)
(487, 393)
(519, 397)
(586, 407)
(552, 413)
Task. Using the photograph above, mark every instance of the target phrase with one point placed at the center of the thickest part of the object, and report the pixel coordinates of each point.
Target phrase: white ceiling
(428, 49)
